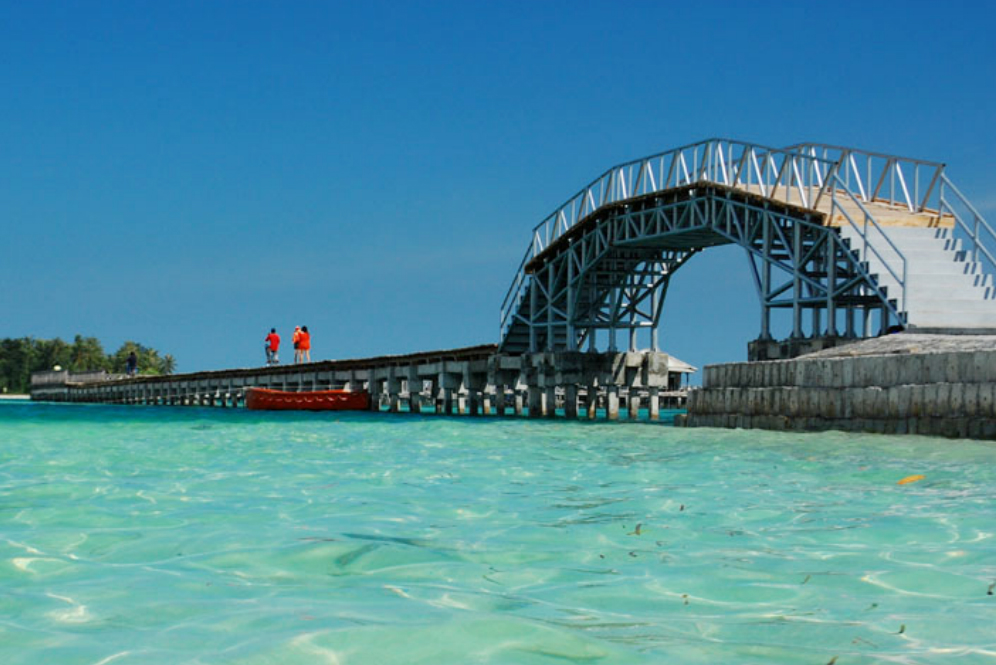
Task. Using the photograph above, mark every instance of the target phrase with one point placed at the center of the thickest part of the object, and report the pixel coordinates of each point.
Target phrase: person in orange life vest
(297, 344)
(305, 344)
(272, 345)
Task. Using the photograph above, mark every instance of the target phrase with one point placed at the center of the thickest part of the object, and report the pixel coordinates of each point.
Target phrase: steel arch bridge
(819, 225)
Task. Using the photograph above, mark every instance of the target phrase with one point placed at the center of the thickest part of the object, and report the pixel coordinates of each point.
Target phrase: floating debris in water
(685, 597)
(633, 554)
(636, 531)
(911, 479)
(682, 508)
(991, 587)
(832, 660)
(902, 629)
(396, 590)
(808, 577)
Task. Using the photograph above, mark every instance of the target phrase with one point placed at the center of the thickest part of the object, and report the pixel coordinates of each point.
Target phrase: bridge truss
(603, 261)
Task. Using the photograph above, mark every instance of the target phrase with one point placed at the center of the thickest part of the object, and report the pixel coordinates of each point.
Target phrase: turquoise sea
(152, 535)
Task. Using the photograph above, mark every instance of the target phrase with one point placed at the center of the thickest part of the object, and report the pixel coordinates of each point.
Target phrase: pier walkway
(467, 381)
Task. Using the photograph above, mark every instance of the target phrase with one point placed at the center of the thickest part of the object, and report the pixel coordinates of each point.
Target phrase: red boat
(315, 400)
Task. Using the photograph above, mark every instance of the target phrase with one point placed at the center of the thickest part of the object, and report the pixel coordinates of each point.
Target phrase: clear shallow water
(159, 535)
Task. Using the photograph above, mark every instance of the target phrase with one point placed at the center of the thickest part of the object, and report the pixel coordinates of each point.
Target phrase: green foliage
(150, 363)
(88, 355)
(20, 357)
(169, 364)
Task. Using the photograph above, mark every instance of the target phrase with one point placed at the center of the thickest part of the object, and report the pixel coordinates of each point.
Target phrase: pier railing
(53, 378)
(874, 177)
(63, 377)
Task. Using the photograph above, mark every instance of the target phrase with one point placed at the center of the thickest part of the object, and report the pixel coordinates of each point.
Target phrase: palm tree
(168, 364)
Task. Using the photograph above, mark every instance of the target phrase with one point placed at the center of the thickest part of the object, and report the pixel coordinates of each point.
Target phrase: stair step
(916, 281)
(946, 318)
(954, 304)
(944, 293)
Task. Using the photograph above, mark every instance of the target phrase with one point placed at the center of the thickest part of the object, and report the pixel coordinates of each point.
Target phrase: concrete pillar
(633, 397)
(433, 398)
(500, 400)
(535, 396)
(373, 387)
(447, 401)
(612, 403)
(486, 398)
(570, 401)
(519, 406)
(591, 401)
(550, 402)
(473, 402)
(655, 404)
(393, 386)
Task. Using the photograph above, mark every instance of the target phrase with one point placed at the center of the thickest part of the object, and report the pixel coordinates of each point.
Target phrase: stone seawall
(943, 385)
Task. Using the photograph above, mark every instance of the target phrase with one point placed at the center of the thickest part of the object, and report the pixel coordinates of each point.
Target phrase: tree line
(22, 356)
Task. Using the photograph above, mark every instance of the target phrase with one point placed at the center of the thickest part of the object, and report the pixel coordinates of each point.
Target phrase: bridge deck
(885, 214)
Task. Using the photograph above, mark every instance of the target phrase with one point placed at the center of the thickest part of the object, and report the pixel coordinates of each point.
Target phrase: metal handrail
(863, 233)
(883, 178)
(511, 301)
(978, 227)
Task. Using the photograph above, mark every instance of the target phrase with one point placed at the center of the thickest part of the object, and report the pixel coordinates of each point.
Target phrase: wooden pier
(467, 381)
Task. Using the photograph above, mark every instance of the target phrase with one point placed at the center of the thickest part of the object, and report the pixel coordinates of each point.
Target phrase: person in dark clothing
(131, 365)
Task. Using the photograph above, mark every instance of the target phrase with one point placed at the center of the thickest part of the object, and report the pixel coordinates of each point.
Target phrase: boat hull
(265, 399)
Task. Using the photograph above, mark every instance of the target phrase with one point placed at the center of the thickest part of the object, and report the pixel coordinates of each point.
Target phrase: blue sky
(189, 174)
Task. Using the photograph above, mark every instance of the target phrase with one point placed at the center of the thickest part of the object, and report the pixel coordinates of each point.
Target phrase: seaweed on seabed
(349, 557)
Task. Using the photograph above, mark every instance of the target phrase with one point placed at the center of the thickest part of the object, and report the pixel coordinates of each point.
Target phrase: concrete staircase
(945, 289)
